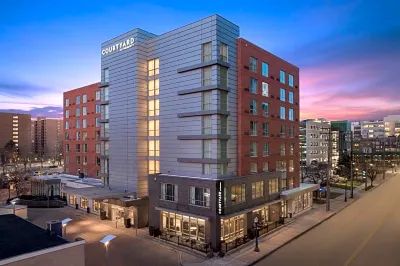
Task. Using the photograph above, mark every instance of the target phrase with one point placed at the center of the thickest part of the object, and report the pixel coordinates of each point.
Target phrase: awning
(302, 189)
(227, 216)
(183, 213)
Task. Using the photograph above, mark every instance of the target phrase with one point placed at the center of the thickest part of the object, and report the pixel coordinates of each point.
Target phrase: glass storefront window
(298, 204)
(262, 215)
(84, 203)
(72, 199)
(96, 206)
(232, 228)
(284, 208)
(185, 226)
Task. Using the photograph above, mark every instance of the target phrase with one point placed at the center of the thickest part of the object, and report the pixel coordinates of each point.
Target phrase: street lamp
(64, 224)
(13, 202)
(256, 249)
(106, 241)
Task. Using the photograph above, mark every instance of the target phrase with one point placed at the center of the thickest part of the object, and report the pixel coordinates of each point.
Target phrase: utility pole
(351, 165)
(328, 190)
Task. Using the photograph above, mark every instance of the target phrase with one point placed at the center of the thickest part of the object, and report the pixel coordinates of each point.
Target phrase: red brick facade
(275, 65)
(71, 164)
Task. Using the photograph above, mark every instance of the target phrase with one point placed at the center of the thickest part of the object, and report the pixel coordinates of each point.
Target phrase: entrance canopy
(303, 188)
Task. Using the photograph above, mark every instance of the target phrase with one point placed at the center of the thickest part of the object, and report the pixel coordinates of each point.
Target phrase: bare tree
(372, 173)
(316, 174)
(17, 179)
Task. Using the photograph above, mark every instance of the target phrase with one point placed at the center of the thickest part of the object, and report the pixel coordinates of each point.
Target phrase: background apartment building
(47, 138)
(82, 131)
(16, 127)
(316, 132)
(392, 125)
(372, 129)
(204, 123)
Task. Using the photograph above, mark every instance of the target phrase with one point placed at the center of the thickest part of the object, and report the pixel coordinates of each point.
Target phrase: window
(223, 147)
(265, 109)
(223, 52)
(222, 169)
(71, 199)
(154, 148)
(97, 95)
(283, 131)
(291, 96)
(238, 193)
(78, 123)
(291, 131)
(206, 169)
(84, 135)
(257, 189)
(282, 95)
(153, 67)
(78, 135)
(67, 158)
(206, 98)
(66, 113)
(223, 76)
(291, 80)
(206, 52)
(253, 107)
(199, 196)
(232, 228)
(154, 87)
(67, 135)
(253, 128)
(282, 76)
(265, 166)
(206, 76)
(284, 183)
(66, 102)
(291, 166)
(78, 111)
(78, 99)
(84, 160)
(223, 124)
(207, 148)
(282, 114)
(291, 115)
(253, 168)
(188, 227)
(264, 89)
(290, 182)
(273, 185)
(106, 75)
(84, 98)
(97, 147)
(105, 96)
(154, 107)
(283, 149)
(281, 166)
(223, 101)
(264, 69)
(266, 149)
(265, 129)
(78, 159)
(253, 85)
(84, 123)
(66, 147)
(97, 120)
(66, 125)
(169, 192)
(206, 125)
(154, 128)
(84, 147)
(154, 166)
(291, 148)
(253, 64)
(97, 134)
(253, 149)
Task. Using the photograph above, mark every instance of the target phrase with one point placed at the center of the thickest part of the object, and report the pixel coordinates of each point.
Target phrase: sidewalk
(303, 223)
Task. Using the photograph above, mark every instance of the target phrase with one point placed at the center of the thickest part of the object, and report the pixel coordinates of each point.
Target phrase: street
(365, 233)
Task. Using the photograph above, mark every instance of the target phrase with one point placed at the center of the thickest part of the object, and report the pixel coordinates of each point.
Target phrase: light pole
(256, 249)
(13, 202)
(64, 225)
(106, 241)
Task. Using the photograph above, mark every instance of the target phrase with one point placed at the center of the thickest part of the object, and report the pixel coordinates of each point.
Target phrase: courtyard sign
(220, 197)
(128, 43)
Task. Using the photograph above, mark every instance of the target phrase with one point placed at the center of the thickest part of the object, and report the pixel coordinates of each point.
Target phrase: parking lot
(125, 249)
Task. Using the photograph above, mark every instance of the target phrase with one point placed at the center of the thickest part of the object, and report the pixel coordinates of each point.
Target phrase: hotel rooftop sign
(128, 43)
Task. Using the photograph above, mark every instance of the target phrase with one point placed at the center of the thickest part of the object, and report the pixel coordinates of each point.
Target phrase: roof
(98, 193)
(19, 236)
(303, 188)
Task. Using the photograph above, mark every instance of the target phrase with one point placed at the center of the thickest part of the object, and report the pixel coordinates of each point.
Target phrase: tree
(3, 160)
(17, 178)
(344, 165)
(11, 150)
(316, 174)
(372, 173)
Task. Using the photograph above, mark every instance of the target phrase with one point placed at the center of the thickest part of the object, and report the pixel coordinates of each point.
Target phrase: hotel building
(82, 131)
(206, 125)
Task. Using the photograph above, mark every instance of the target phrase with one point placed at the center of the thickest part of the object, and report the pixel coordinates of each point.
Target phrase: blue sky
(348, 51)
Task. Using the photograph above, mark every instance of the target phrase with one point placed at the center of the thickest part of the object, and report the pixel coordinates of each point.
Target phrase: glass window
(291, 166)
(97, 147)
(97, 95)
(206, 169)
(84, 98)
(84, 135)
(154, 107)
(222, 169)
(154, 148)
(106, 75)
(283, 149)
(282, 76)
(67, 158)
(78, 123)
(291, 148)
(284, 183)
(257, 189)
(253, 149)
(206, 76)
(206, 52)
(265, 109)
(291, 80)
(199, 196)
(238, 193)
(78, 99)
(223, 148)
(253, 85)
(291, 131)
(97, 120)
(84, 147)
(154, 166)
(265, 129)
(71, 199)
(169, 192)
(78, 135)
(154, 128)
(273, 185)
(206, 100)
(291, 96)
(253, 64)
(66, 113)
(223, 124)
(253, 107)
(66, 125)
(223, 52)
(291, 115)
(105, 96)
(253, 128)
(207, 148)
(253, 168)
(154, 87)
(282, 113)
(283, 131)
(265, 166)
(223, 76)
(67, 102)
(266, 149)
(97, 108)
(66, 134)
(232, 228)
(84, 124)
(84, 160)
(66, 147)
(78, 159)
(78, 111)
(223, 101)
(153, 67)
(265, 89)
(282, 95)
(264, 70)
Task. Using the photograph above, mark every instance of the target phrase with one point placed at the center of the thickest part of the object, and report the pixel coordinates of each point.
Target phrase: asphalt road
(365, 233)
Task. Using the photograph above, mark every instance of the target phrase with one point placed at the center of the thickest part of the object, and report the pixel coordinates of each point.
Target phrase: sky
(348, 52)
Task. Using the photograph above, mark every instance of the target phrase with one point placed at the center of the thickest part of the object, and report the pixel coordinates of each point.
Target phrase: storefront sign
(128, 43)
(220, 197)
